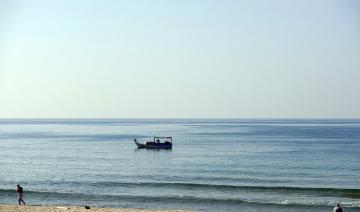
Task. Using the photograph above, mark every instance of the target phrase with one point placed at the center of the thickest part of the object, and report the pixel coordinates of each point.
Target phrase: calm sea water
(215, 165)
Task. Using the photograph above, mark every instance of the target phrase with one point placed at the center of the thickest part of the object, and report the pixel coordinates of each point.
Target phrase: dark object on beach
(156, 143)
(87, 207)
(20, 191)
(337, 208)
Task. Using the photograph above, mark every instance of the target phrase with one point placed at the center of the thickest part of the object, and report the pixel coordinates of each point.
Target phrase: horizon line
(183, 118)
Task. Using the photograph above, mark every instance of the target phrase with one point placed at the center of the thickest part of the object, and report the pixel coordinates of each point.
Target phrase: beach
(33, 208)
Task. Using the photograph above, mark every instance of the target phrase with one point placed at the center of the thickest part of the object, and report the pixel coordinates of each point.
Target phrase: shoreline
(68, 208)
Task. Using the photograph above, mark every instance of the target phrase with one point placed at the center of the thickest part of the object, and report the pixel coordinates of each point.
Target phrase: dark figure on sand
(20, 191)
(337, 208)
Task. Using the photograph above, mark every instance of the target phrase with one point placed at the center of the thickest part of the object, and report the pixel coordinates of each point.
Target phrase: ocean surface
(215, 164)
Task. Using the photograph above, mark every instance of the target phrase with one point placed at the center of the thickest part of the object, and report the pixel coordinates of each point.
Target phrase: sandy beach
(16, 208)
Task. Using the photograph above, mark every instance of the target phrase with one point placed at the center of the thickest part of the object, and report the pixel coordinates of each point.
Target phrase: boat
(156, 143)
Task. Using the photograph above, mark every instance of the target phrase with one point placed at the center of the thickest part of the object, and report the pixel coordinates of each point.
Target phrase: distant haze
(180, 59)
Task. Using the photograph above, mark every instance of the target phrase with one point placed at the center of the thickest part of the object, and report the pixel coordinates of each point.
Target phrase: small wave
(348, 192)
(353, 194)
(46, 196)
(318, 203)
(334, 192)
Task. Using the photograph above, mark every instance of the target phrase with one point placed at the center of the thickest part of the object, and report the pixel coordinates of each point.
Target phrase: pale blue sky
(180, 59)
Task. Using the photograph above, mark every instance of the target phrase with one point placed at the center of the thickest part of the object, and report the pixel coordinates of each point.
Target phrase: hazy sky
(180, 59)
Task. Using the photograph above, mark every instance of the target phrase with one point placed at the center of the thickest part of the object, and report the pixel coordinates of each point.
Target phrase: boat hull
(152, 145)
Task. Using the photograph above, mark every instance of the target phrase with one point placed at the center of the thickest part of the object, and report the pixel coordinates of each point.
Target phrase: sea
(215, 164)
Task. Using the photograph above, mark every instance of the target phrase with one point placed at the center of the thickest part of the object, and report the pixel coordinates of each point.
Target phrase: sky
(180, 59)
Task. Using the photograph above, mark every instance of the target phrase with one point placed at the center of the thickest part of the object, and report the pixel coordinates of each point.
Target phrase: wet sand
(16, 208)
